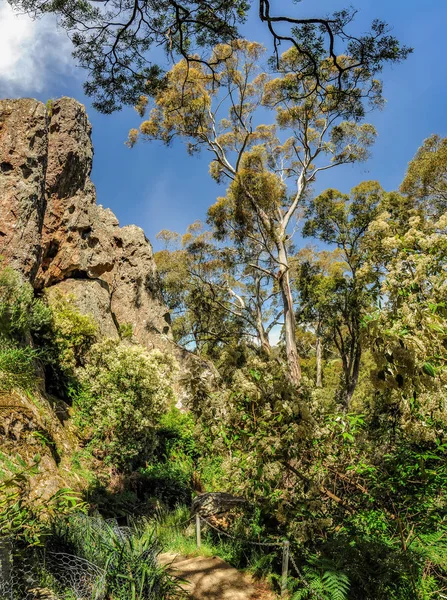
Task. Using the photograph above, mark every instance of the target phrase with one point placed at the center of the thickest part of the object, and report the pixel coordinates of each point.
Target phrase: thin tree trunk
(293, 361)
(319, 353)
(265, 344)
(262, 334)
(353, 378)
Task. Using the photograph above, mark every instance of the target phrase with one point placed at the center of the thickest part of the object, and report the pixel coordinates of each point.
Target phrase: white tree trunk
(293, 361)
(319, 352)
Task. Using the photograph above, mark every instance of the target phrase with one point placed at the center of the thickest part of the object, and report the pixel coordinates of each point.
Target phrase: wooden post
(5, 561)
(198, 536)
(285, 568)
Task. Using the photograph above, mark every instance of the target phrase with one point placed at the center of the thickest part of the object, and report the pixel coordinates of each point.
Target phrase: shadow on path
(210, 578)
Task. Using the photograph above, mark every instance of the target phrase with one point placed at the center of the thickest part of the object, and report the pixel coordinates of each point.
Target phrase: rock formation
(54, 233)
(23, 165)
(52, 230)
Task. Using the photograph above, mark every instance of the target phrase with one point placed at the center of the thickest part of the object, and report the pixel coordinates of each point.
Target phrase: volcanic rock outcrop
(23, 165)
(52, 230)
(54, 233)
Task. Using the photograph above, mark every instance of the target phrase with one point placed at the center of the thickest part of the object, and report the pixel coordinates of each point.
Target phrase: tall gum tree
(268, 168)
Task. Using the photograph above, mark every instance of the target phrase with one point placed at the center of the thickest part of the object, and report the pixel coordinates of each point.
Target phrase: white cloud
(32, 53)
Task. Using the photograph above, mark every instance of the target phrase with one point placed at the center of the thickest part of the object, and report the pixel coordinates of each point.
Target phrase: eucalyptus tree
(118, 42)
(215, 297)
(340, 289)
(426, 179)
(270, 167)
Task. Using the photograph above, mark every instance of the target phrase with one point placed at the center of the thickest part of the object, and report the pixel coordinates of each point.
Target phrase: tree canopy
(116, 41)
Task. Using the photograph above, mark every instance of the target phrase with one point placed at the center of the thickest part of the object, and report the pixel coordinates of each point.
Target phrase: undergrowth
(128, 556)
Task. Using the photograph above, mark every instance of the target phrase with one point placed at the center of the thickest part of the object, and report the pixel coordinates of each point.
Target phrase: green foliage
(17, 366)
(200, 282)
(129, 560)
(337, 289)
(20, 312)
(125, 331)
(176, 435)
(72, 332)
(167, 483)
(49, 105)
(119, 61)
(21, 315)
(425, 179)
(125, 390)
(323, 580)
(20, 518)
(168, 477)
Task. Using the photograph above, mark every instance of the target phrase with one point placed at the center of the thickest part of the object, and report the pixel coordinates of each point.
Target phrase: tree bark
(293, 361)
(319, 353)
(262, 334)
(352, 377)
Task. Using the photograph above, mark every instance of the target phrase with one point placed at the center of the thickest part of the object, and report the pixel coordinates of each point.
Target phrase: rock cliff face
(23, 165)
(52, 230)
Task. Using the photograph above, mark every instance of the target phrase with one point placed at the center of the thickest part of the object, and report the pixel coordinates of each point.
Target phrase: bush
(17, 367)
(168, 482)
(20, 312)
(72, 333)
(176, 436)
(125, 390)
(170, 476)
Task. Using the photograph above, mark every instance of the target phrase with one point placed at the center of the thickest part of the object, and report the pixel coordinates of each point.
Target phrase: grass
(128, 558)
(17, 369)
(80, 461)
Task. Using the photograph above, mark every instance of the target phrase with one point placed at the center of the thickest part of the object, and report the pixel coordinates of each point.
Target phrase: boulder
(216, 503)
(135, 290)
(54, 232)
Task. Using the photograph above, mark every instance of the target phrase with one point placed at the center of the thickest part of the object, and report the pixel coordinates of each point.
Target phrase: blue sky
(163, 188)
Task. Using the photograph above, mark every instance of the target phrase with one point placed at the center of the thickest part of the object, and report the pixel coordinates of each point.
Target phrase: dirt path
(210, 578)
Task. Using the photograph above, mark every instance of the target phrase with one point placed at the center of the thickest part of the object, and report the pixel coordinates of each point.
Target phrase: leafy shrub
(72, 332)
(17, 367)
(169, 482)
(175, 435)
(125, 391)
(20, 311)
(322, 580)
(20, 518)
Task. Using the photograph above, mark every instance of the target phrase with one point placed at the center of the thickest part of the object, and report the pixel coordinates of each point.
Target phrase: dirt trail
(210, 578)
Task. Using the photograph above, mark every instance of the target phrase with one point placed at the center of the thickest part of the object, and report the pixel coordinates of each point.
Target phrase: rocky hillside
(54, 232)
